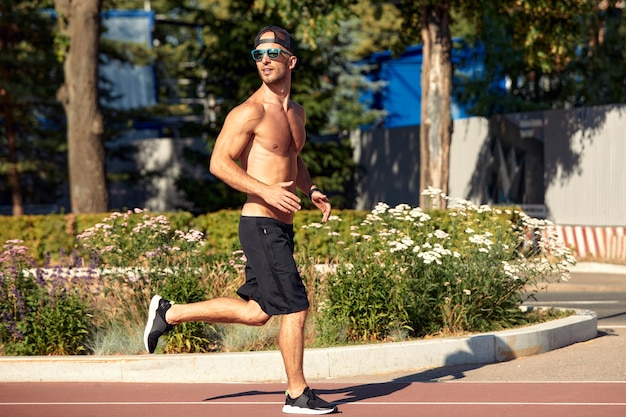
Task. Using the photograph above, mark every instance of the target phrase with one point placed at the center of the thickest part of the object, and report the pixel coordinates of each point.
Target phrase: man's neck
(279, 94)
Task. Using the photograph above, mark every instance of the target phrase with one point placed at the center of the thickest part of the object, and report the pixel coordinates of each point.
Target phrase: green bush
(135, 254)
(42, 234)
(390, 274)
(42, 315)
(140, 254)
(49, 236)
(466, 269)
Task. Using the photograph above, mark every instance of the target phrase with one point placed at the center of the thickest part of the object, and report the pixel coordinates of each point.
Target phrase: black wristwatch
(313, 190)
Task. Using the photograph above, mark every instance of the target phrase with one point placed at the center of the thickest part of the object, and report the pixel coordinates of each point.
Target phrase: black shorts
(272, 278)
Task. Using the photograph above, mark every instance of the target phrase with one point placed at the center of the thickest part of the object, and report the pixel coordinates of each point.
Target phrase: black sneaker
(308, 403)
(156, 325)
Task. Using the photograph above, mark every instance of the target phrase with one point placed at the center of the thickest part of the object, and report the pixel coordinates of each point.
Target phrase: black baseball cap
(281, 37)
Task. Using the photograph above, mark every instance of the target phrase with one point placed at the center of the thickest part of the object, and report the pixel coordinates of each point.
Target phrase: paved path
(602, 359)
(398, 399)
(581, 380)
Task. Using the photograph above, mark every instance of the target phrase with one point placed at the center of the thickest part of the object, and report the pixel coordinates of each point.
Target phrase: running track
(389, 399)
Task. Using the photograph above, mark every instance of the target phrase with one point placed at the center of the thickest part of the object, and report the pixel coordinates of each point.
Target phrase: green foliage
(316, 241)
(187, 288)
(386, 275)
(49, 236)
(153, 241)
(44, 311)
(345, 82)
(364, 303)
(31, 116)
(596, 62)
(332, 168)
(550, 53)
(313, 20)
(378, 27)
(220, 229)
(463, 270)
(555, 54)
(140, 254)
(44, 235)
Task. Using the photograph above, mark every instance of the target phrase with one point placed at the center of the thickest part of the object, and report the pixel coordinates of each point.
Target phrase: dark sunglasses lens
(273, 53)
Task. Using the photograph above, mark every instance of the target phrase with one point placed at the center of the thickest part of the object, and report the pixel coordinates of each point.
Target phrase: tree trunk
(436, 125)
(14, 173)
(79, 22)
(8, 36)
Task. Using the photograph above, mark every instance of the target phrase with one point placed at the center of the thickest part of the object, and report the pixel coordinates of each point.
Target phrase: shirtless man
(265, 134)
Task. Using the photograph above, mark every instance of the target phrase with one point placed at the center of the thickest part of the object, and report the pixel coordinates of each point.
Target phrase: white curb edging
(325, 363)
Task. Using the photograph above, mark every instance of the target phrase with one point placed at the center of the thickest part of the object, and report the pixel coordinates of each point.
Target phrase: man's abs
(256, 207)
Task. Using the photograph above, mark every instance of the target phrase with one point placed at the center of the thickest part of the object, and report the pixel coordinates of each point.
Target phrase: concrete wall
(160, 162)
(390, 159)
(584, 167)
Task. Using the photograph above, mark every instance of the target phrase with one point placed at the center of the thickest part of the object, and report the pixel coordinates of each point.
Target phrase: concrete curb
(319, 364)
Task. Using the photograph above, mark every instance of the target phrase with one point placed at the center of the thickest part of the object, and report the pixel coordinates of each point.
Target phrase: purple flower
(21, 307)
(11, 326)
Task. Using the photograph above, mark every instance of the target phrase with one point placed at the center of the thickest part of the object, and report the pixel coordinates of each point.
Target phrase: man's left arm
(305, 183)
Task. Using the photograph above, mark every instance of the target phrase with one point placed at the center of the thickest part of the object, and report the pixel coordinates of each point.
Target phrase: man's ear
(293, 60)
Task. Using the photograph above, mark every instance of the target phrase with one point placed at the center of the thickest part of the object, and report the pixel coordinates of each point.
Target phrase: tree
(29, 72)
(544, 35)
(436, 125)
(11, 135)
(600, 58)
(79, 37)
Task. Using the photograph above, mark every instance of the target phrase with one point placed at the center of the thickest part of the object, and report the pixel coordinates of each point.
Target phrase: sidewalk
(434, 359)
(599, 268)
(601, 359)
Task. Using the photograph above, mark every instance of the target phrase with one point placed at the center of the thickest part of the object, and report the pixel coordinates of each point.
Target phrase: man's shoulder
(297, 106)
(244, 113)
(249, 107)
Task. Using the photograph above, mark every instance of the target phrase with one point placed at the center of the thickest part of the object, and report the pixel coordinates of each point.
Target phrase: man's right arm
(236, 134)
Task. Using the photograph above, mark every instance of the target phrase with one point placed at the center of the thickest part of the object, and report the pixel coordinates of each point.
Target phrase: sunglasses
(272, 53)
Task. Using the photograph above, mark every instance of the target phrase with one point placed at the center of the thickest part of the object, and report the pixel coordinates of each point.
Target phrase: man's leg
(163, 315)
(218, 310)
(291, 343)
(300, 399)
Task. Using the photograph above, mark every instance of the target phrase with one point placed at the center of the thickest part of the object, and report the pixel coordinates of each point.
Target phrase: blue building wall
(401, 97)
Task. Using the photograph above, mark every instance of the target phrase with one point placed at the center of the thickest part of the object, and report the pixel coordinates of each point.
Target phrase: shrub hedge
(55, 234)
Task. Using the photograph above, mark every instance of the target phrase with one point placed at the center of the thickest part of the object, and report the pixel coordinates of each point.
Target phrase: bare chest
(281, 132)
